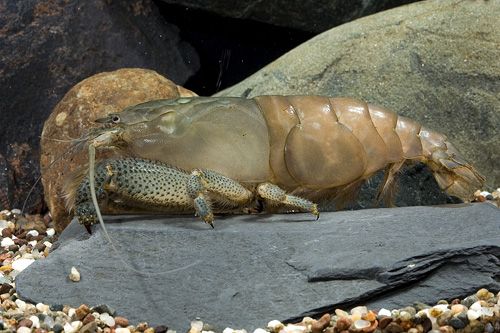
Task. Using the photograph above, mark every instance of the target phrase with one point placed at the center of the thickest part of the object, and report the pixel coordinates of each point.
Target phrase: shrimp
(218, 154)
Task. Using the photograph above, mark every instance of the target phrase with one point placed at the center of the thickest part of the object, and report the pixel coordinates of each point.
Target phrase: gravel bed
(28, 238)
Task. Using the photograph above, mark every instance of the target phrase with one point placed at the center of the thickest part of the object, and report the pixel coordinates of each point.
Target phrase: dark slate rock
(304, 15)
(254, 268)
(46, 47)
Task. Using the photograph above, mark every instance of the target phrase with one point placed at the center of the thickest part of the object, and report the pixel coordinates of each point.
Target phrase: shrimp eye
(115, 119)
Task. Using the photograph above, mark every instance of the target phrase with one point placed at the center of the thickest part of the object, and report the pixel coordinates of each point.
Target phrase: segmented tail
(453, 173)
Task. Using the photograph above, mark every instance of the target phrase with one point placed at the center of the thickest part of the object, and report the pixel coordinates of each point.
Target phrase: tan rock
(90, 99)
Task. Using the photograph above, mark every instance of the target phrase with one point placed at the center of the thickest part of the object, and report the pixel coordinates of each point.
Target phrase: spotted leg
(205, 186)
(277, 196)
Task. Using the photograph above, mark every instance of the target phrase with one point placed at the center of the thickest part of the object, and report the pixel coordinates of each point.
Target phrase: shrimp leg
(142, 186)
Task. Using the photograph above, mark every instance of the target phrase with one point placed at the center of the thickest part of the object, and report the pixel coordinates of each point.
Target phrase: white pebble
(21, 264)
(197, 325)
(228, 330)
(47, 244)
(33, 243)
(107, 319)
(260, 330)
(275, 325)
(472, 315)
(7, 241)
(49, 321)
(76, 325)
(30, 308)
(23, 329)
(21, 305)
(51, 232)
(68, 328)
(11, 225)
(360, 324)
(359, 309)
(42, 307)
(384, 312)
(295, 329)
(74, 275)
(4, 224)
(487, 311)
(476, 306)
(443, 307)
(424, 313)
(36, 321)
(72, 312)
(33, 233)
(122, 330)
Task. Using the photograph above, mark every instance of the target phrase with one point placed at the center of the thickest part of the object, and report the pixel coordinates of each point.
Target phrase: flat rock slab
(254, 268)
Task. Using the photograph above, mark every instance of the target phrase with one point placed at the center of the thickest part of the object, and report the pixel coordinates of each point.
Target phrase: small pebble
(343, 323)
(103, 308)
(404, 316)
(341, 313)
(479, 328)
(457, 308)
(6, 232)
(26, 323)
(36, 321)
(472, 315)
(384, 313)
(360, 324)
(82, 311)
(74, 275)
(21, 264)
(23, 329)
(393, 328)
(468, 301)
(124, 330)
(444, 318)
(7, 241)
(294, 329)
(447, 329)
(123, 322)
(163, 329)
(107, 319)
(259, 330)
(88, 319)
(359, 309)
(274, 325)
(319, 325)
(89, 328)
(456, 323)
(142, 326)
(58, 328)
(435, 312)
(383, 322)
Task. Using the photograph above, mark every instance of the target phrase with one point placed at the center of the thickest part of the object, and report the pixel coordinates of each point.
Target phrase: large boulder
(252, 269)
(436, 61)
(75, 114)
(46, 47)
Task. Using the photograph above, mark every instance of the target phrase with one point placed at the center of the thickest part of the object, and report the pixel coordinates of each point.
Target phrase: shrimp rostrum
(215, 154)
